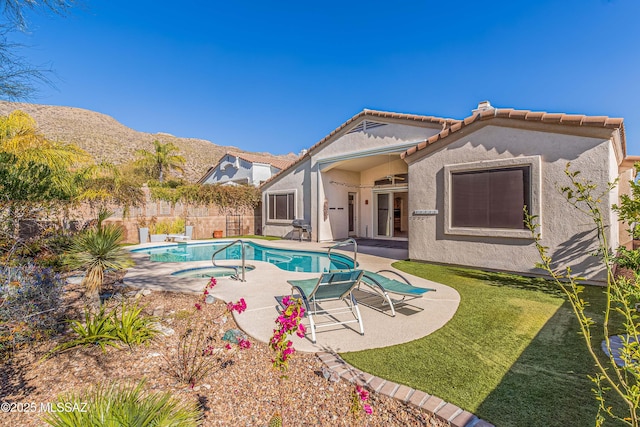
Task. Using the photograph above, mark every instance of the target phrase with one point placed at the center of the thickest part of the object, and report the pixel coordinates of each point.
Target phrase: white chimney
(482, 106)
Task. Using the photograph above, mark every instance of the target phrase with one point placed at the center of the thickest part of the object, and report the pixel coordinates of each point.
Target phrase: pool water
(206, 272)
(285, 259)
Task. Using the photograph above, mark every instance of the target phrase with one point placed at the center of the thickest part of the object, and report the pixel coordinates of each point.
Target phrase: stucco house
(456, 189)
(243, 168)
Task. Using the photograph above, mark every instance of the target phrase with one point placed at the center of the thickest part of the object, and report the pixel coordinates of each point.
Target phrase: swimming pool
(206, 272)
(285, 259)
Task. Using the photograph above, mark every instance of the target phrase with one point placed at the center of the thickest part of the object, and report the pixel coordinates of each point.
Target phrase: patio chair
(383, 285)
(330, 286)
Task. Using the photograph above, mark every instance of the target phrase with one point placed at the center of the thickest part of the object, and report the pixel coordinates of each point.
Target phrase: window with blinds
(281, 206)
(492, 198)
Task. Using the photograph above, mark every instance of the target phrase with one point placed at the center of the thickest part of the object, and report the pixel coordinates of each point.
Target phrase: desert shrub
(115, 406)
(161, 227)
(200, 350)
(111, 328)
(612, 380)
(197, 355)
(30, 303)
(628, 258)
(175, 226)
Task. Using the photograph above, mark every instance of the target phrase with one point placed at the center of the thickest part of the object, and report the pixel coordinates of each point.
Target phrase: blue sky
(278, 76)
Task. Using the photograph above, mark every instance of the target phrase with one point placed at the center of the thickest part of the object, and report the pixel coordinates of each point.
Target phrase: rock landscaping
(240, 388)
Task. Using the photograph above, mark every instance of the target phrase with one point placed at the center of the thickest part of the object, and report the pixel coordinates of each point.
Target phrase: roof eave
(598, 126)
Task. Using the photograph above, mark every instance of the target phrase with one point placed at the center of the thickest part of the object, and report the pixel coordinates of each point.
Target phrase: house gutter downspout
(317, 201)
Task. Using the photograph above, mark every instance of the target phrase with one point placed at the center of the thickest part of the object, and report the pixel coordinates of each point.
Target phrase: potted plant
(217, 234)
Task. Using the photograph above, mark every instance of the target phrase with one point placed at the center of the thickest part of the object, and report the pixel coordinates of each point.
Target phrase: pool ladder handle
(233, 267)
(349, 241)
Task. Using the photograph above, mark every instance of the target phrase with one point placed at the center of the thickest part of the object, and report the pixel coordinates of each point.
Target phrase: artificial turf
(512, 354)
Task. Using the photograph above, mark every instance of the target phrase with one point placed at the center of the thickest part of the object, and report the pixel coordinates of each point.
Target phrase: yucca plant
(97, 250)
(115, 405)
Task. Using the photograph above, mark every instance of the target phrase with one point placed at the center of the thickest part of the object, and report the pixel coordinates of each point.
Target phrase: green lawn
(512, 354)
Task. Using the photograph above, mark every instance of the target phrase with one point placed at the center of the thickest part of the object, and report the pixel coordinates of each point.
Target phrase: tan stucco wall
(298, 180)
(568, 234)
(311, 192)
(625, 176)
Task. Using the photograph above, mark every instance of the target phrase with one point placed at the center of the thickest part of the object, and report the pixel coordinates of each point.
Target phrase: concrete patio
(414, 319)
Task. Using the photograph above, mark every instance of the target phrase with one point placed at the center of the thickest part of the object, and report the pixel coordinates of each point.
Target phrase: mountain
(106, 139)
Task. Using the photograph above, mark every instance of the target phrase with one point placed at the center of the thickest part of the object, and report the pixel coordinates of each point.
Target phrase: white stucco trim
(268, 220)
(533, 162)
(387, 149)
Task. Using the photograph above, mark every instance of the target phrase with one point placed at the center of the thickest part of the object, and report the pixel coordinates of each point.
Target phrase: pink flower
(228, 346)
(206, 292)
(286, 301)
(367, 409)
(287, 351)
(212, 282)
(198, 306)
(364, 394)
(244, 344)
(240, 306)
(301, 330)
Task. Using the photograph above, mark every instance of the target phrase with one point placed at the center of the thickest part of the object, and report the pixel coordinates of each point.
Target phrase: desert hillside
(109, 140)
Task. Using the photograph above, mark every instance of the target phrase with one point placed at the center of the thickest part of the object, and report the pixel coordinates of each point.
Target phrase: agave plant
(97, 250)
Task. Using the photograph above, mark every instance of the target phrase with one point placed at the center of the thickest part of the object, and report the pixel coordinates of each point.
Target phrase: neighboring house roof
(491, 113)
(363, 115)
(256, 158)
(251, 158)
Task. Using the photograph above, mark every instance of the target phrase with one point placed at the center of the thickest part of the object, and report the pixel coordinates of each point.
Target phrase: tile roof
(524, 115)
(256, 158)
(386, 115)
(252, 158)
(366, 113)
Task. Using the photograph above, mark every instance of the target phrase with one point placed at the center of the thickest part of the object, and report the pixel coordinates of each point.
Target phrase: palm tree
(164, 158)
(104, 184)
(97, 250)
(37, 175)
(19, 136)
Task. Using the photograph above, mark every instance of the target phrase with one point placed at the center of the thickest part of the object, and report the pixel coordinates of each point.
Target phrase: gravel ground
(246, 391)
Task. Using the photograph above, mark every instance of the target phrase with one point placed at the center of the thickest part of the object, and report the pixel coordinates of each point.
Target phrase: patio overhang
(358, 161)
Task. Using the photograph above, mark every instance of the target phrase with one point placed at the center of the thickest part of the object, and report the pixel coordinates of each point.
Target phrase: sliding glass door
(383, 228)
(391, 214)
